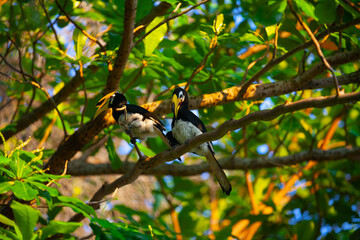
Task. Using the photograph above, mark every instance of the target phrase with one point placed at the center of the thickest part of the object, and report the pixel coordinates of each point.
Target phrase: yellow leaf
(218, 23)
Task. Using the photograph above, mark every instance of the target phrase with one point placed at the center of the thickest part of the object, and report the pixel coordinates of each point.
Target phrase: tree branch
(168, 19)
(316, 44)
(38, 113)
(259, 91)
(230, 125)
(264, 115)
(178, 169)
(113, 80)
(86, 133)
(276, 61)
(159, 10)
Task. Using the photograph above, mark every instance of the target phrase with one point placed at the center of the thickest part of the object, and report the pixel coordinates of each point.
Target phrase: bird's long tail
(219, 173)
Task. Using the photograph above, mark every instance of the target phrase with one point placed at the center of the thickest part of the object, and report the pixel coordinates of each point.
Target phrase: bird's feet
(133, 141)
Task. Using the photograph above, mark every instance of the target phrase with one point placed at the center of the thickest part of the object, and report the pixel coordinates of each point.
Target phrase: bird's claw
(133, 141)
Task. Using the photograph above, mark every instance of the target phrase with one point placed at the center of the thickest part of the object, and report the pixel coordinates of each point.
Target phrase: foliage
(22, 175)
(69, 50)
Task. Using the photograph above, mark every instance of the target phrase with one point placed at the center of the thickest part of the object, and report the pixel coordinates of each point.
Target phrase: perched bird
(137, 122)
(186, 125)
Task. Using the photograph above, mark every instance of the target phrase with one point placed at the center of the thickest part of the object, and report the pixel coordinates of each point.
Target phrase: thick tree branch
(264, 115)
(258, 91)
(76, 142)
(86, 133)
(125, 47)
(179, 169)
(169, 155)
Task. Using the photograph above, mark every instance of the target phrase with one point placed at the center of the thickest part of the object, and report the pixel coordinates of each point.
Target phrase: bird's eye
(181, 95)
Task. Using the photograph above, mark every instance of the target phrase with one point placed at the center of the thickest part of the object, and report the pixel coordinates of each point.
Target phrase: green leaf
(9, 222)
(305, 230)
(348, 8)
(24, 191)
(26, 218)
(145, 150)
(250, 37)
(154, 38)
(55, 227)
(4, 160)
(18, 166)
(307, 7)
(5, 187)
(114, 158)
(75, 204)
(325, 10)
(9, 173)
(26, 156)
(79, 42)
(52, 191)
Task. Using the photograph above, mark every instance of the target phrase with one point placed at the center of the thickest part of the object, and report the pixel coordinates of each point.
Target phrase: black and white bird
(186, 125)
(136, 121)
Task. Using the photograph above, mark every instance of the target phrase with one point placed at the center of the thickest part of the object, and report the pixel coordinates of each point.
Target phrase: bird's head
(179, 100)
(113, 100)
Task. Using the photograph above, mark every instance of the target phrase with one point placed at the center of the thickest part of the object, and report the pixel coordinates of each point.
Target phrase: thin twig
(276, 40)
(35, 83)
(199, 67)
(254, 62)
(317, 46)
(51, 24)
(341, 16)
(168, 19)
(276, 61)
(81, 71)
(144, 64)
(78, 27)
(174, 216)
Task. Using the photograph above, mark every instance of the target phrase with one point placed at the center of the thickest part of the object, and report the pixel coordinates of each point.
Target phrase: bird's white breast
(140, 127)
(183, 131)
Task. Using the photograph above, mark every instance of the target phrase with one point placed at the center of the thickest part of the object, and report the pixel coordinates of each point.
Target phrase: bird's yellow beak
(175, 105)
(103, 104)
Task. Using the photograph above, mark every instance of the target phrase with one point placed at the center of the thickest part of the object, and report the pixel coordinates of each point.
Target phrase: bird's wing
(137, 109)
(191, 117)
(159, 125)
(219, 173)
(173, 142)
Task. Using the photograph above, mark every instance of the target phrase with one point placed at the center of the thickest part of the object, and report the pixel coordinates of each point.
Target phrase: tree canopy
(276, 83)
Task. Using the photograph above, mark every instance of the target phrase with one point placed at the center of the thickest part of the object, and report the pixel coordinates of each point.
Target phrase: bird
(186, 125)
(137, 122)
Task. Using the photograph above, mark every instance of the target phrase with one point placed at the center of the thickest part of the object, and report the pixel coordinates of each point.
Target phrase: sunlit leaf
(307, 7)
(79, 42)
(218, 24)
(26, 218)
(24, 191)
(56, 227)
(155, 37)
